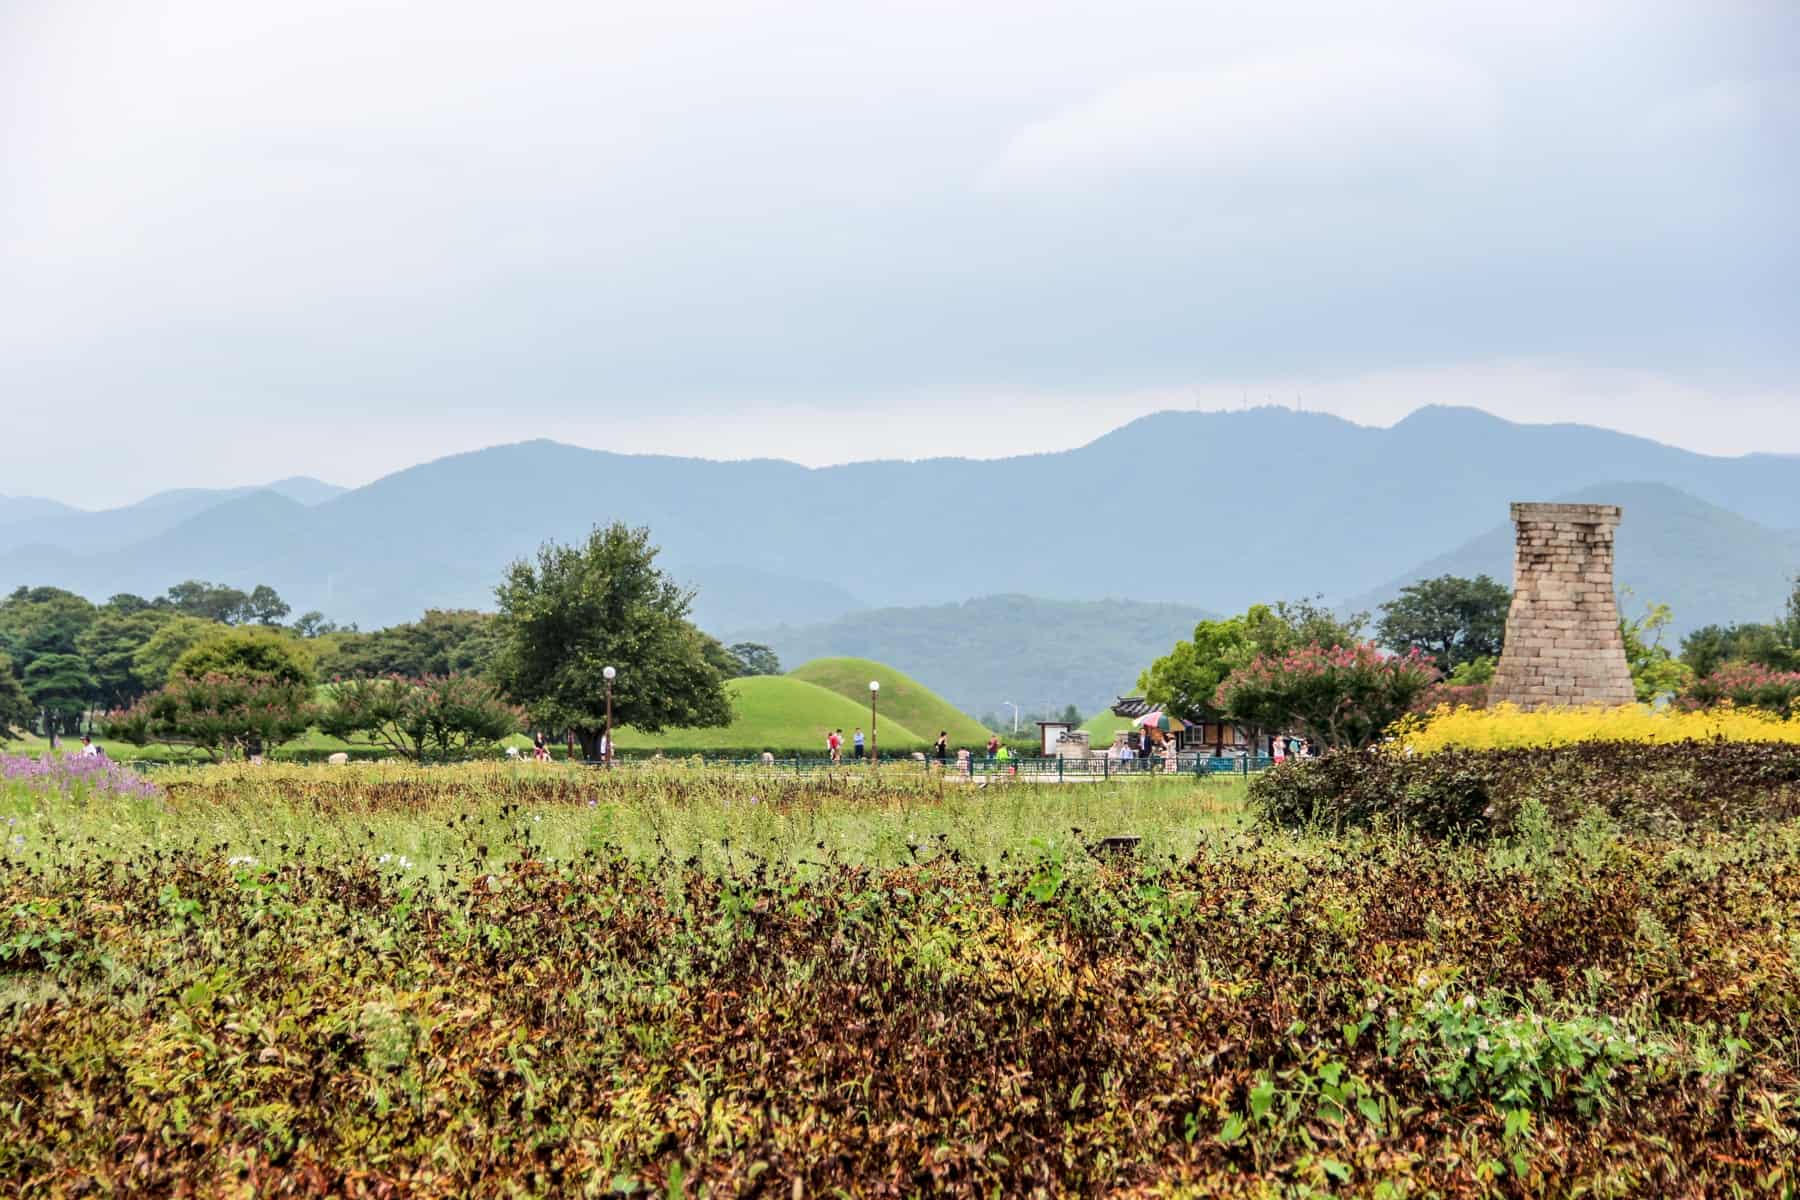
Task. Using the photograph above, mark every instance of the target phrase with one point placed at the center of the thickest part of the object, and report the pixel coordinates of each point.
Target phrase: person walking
(993, 746)
(835, 744)
(856, 740)
(943, 747)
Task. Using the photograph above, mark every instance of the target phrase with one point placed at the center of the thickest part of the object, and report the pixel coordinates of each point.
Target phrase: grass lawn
(903, 699)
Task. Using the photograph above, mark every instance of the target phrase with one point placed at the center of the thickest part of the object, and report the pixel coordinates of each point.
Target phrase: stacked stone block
(1563, 645)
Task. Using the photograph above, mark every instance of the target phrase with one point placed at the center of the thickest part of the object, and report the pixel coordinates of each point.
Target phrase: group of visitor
(834, 744)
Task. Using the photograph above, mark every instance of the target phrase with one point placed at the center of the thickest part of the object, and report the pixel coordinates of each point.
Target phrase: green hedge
(1476, 793)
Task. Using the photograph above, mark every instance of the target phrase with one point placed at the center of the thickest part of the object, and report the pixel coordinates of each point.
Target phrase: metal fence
(1094, 768)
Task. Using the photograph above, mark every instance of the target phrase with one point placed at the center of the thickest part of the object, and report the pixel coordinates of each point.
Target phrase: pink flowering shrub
(1444, 694)
(224, 715)
(1337, 697)
(1746, 685)
(447, 716)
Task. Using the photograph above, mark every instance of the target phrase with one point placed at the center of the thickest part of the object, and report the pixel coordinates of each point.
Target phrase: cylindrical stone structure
(1563, 645)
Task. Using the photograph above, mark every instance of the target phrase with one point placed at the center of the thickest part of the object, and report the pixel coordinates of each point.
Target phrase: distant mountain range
(27, 521)
(1204, 511)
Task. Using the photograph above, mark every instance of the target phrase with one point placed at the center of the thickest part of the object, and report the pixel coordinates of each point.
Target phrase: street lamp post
(874, 737)
(606, 738)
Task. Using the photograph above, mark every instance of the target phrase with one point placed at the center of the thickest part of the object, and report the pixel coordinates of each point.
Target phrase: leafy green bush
(443, 716)
(1474, 793)
(220, 714)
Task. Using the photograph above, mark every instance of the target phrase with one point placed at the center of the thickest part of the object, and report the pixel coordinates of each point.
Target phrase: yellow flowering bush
(1506, 726)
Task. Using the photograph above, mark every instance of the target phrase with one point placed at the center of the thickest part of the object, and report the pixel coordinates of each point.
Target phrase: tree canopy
(753, 658)
(447, 716)
(17, 713)
(1453, 619)
(1654, 671)
(576, 610)
(1186, 680)
(442, 642)
(248, 651)
(1337, 696)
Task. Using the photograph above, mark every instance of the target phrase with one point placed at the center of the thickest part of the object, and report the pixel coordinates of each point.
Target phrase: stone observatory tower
(1562, 635)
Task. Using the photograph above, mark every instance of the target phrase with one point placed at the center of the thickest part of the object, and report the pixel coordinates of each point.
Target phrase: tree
(60, 685)
(443, 642)
(754, 658)
(125, 603)
(220, 714)
(577, 610)
(1186, 680)
(42, 620)
(447, 716)
(1455, 620)
(1706, 648)
(1337, 696)
(312, 624)
(111, 645)
(1071, 715)
(1654, 671)
(17, 713)
(1791, 617)
(265, 606)
(208, 601)
(248, 651)
(154, 661)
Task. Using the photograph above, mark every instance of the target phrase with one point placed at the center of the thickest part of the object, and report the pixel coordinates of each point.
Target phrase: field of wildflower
(1506, 726)
(496, 981)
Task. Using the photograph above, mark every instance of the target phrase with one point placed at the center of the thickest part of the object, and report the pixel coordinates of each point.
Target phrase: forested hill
(1209, 510)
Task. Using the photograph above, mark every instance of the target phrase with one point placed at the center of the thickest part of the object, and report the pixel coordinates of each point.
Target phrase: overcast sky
(244, 240)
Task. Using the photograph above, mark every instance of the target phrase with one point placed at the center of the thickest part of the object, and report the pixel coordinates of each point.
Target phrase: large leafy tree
(154, 661)
(1453, 619)
(59, 684)
(111, 645)
(443, 642)
(1186, 680)
(17, 713)
(265, 606)
(1337, 696)
(41, 620)
(754, 658)
(248, 651)
(208, 601)
(576, 610)
(448, 717)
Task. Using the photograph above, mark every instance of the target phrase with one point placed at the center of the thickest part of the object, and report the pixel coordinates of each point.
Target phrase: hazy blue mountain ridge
(1209, 510)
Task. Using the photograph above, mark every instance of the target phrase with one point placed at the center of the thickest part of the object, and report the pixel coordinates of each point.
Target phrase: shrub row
(1647, 787)
(1378, 1017)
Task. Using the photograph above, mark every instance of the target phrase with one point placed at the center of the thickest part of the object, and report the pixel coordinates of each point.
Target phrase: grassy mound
(778, 713)
(1102, 725)
(903, 699)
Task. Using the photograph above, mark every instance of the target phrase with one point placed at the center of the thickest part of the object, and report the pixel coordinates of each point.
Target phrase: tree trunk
(590, 742)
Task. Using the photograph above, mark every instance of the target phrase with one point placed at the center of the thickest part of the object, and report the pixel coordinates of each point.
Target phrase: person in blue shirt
(857, 741)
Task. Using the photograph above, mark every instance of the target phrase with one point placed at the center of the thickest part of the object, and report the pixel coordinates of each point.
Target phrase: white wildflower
(240, 860)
